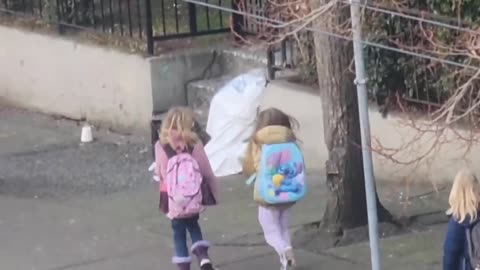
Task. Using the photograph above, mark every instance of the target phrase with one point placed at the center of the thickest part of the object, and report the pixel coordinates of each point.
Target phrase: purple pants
(274, 223)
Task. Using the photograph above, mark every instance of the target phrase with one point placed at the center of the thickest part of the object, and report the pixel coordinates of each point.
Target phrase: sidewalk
(94, 207)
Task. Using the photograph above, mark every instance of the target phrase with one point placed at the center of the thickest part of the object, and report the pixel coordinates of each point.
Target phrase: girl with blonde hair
(187, 184)
(464, 207)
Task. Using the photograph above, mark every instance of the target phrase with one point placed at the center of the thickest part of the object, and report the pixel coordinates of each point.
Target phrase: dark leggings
(180, 228)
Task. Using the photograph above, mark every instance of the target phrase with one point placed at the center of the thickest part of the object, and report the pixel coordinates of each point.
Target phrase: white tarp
(231, 121)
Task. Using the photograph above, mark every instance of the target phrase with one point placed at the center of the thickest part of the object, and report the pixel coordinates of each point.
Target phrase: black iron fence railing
(119, 17)
(148, 20)
(171, 19)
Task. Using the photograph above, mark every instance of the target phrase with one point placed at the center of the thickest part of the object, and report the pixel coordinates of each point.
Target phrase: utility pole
(361, 81)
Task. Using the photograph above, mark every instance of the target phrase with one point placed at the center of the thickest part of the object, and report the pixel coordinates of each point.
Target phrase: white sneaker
(206, 264)
(290, 257)
(283, 262)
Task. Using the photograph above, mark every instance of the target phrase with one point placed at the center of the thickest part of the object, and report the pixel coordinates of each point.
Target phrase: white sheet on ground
(231, 121)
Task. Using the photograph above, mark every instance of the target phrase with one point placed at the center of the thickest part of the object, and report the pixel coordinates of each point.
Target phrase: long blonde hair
(464, 196)
(177, 128)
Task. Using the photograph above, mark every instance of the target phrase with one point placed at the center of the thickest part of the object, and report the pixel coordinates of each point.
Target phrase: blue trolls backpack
(281, 175)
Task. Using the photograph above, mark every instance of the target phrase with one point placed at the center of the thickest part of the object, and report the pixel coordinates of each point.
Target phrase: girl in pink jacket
(182, 164)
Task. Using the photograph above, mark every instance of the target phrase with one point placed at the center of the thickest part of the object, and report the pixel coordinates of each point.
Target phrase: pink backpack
(184, 182)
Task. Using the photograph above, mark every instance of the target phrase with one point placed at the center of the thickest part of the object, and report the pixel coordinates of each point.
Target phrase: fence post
(237, 19)
(58, 7)
(271, 63)
(149, 26)
(283, 49)
(192, 17)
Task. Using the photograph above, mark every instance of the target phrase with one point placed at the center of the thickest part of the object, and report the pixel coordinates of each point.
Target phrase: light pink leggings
(274, 223)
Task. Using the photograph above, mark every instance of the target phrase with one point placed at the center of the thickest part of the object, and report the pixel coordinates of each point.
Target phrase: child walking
(464, 203)
(277, 163)
(187, 185)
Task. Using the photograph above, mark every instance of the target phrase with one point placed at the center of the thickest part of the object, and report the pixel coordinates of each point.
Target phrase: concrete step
(235, 61)
(239, 60)
(200, 94)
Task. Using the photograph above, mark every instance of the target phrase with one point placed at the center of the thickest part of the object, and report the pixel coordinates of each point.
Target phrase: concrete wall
(305, 105)
(171, 74)
(55, 75)
(59, 76)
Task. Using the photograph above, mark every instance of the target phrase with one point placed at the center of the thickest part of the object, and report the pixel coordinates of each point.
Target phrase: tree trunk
(346, 207)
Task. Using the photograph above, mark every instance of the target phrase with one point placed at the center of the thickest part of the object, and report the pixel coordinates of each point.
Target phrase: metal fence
(119, 17)
(171, 19)
(148, 20)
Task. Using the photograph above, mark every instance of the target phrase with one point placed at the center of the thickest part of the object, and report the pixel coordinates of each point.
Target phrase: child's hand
(152, 169)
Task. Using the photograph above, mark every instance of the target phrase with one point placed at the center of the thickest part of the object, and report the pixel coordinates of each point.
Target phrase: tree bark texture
(346, 207)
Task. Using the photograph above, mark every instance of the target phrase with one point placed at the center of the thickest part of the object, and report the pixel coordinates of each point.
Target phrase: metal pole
(361, 81)
(237, 20)
(60, 27)
(192, 17)
(149, 27)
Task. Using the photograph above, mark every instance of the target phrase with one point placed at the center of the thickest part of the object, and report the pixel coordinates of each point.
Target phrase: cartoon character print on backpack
(281, 177)
(284, 172)
(184, 186)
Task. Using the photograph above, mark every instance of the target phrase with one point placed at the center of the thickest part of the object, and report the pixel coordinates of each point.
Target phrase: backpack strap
(251, 179)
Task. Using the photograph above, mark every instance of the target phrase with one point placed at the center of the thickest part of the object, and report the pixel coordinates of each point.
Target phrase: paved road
(69, 206)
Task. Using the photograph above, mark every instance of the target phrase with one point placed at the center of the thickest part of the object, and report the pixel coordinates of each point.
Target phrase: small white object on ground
(87, 134)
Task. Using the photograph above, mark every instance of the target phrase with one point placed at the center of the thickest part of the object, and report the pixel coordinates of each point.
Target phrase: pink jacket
(198, 153)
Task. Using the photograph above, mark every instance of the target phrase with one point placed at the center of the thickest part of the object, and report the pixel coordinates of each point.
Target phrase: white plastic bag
(231, 121)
